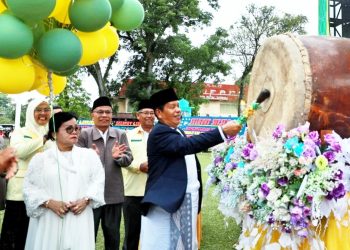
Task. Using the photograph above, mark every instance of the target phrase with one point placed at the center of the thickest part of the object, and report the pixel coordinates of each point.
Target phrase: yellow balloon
(16, 75)
(112, 40)
(2, 7)
(60, 12)
(94, 46)
(58, 84)
(40, 76)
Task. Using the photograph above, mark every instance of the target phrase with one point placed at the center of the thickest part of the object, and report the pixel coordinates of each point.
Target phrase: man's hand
(144, 167)
(118, 150)
(8, 162)
(231, 128)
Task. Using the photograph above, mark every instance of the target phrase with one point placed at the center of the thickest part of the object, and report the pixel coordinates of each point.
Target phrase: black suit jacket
(167, 174)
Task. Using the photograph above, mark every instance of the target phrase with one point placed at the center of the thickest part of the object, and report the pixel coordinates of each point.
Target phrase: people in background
(135, 175)
(173, 191)
(8, 162)
(62, 186)
(113, 148)
(8, 168)
(57, 109)
(27, 142)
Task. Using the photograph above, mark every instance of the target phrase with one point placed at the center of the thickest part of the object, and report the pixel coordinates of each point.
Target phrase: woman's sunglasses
(71, 128)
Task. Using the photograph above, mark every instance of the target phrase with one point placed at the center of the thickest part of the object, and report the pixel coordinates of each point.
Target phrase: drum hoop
(305, 59)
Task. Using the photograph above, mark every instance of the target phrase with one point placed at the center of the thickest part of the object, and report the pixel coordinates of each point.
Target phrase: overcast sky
(229, 13)
(231, 10)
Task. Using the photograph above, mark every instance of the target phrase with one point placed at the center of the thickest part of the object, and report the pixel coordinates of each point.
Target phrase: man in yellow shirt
(135, 175)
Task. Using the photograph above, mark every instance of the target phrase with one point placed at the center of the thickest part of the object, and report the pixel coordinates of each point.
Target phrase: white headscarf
(30, 123)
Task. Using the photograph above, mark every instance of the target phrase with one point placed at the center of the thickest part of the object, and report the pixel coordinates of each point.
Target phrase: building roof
(212, 92)
(221, 92)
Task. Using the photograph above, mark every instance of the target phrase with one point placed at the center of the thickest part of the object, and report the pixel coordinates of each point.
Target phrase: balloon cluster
(58, 36)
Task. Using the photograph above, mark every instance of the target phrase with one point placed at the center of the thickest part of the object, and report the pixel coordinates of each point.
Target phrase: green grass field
(217, 233)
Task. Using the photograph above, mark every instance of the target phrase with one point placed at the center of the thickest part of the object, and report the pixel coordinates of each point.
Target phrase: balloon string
(49, 80)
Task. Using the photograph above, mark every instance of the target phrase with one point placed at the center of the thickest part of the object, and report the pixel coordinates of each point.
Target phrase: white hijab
(30, 123)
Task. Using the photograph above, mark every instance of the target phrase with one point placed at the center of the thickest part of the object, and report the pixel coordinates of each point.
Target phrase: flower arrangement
(288, 183)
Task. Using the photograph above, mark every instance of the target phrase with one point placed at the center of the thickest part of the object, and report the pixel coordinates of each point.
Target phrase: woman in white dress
(62, 186)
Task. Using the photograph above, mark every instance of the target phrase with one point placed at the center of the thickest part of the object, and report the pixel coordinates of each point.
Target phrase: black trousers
(132, 222)
(110, 217)
(14, 226)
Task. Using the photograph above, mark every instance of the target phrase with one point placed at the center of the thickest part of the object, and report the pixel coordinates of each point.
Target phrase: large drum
(309, 80)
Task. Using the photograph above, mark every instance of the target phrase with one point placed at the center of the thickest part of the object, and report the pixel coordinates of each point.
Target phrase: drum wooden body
(309, 80)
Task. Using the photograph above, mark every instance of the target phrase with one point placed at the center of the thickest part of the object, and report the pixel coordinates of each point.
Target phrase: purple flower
(265, 189)
(330, 155)
(278, 131)
(217, 160)
(309, 143)
(337, 192)
(253, 154)
(313, 136)
(230, 165)
(306, 211)
(296, 212)
(287, 229)
(282, 181)
(302, 233)
(308, 152)
(333, 143)
(338, 175)
(329, 138)
(309, 198)
(249, 152)
(336, 147)
(271, 220)
(246, 152)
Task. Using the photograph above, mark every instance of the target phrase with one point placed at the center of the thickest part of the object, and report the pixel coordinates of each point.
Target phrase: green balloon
(68, 72)
(90, 15)
(38, 30)
(16, 38)
(116, 4)
(31, 10)
(129, 16)
(59, 50)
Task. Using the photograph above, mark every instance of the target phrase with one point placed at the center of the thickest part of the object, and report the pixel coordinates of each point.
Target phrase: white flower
(261, 195)
(281, 214)
(285, 199)
(271, 184)
(274, 194)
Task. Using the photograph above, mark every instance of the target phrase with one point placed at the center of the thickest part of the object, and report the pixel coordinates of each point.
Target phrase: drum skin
(309, 80)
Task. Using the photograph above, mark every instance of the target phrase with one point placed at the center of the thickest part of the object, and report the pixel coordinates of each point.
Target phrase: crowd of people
(64, 182)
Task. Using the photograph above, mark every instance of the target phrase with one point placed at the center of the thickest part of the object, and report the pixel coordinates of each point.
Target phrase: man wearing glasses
(112, 146)
(135, 176)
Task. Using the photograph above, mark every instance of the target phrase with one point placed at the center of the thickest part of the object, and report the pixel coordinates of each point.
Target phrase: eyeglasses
(147, 112)
(45, 110)
(72, 128)
(101, 112)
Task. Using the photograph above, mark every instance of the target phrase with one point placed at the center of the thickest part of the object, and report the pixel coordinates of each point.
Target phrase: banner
(192, 125)
(323, 17)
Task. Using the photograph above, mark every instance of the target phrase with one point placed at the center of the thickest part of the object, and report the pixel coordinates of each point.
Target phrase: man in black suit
(173, 190)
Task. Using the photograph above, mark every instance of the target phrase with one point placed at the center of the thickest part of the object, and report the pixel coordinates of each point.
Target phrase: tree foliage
(74, 98)
(163, 54)
(252, 29)
(7, 110)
